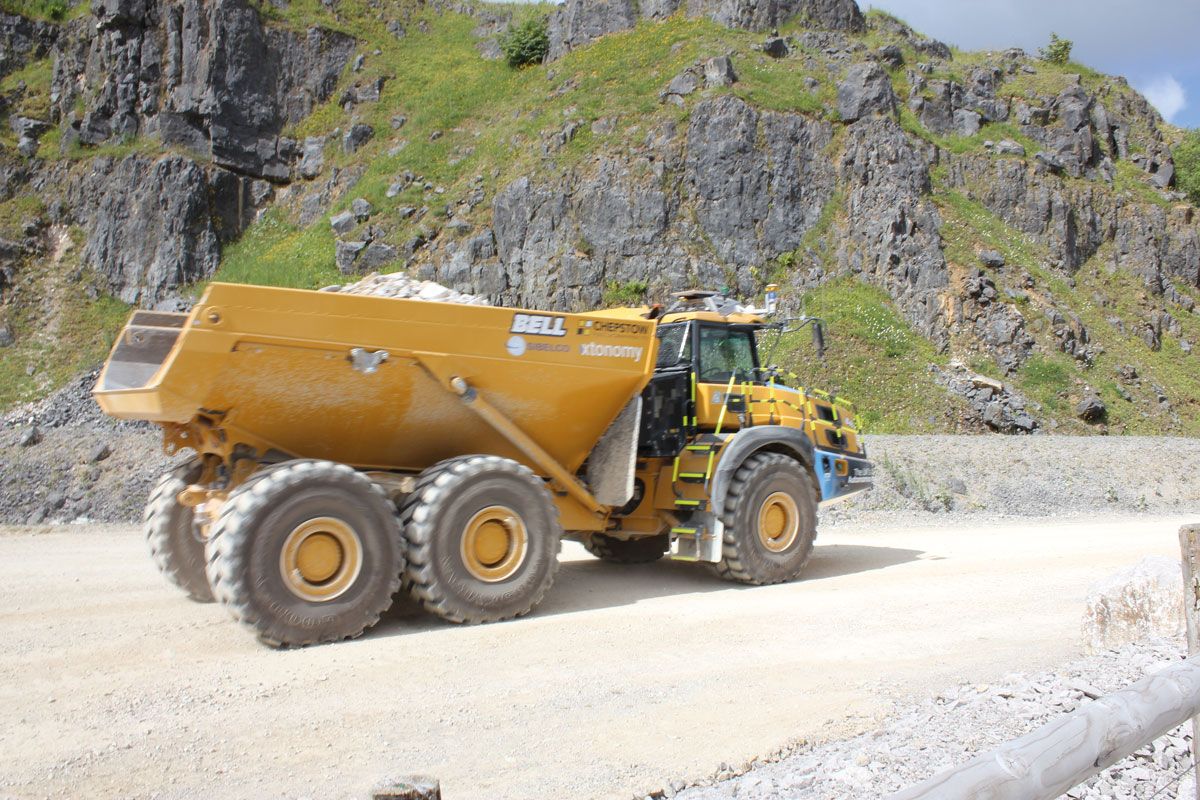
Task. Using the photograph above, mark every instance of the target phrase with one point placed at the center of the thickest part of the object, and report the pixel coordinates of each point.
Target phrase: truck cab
(710, 369)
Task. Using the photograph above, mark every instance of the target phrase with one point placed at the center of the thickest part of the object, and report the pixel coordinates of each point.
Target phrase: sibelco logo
(610, 351)
(516, 346)
(538, 325)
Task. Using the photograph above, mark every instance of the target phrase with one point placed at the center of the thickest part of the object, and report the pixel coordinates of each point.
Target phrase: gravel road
(626, 679)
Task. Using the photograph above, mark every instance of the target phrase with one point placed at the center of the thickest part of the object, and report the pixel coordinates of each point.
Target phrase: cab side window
(725, 354)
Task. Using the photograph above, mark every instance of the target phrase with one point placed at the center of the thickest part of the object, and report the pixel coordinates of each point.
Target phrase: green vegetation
(59, 328)
(873, 357)
(526, 42)
(1058, 51)
(1187, 165)
(52, 10)
(31, 85)
(630, 293)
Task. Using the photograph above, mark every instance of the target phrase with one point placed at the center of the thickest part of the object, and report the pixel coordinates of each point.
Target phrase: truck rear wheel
(483, 540)
(306, 552)
(627, 551)
(175, 544)
(770, 521)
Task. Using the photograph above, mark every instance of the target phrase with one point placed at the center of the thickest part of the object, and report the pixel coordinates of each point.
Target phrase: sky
(1153, 43)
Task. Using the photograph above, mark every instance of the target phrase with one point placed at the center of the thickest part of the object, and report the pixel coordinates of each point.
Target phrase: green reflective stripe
(687, 502)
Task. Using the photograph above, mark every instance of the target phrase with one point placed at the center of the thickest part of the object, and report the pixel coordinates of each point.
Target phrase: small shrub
(1187, 165)
(631, 293)
(1058, 51)
(526, 43)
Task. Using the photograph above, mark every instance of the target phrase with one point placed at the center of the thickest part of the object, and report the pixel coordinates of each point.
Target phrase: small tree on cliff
(526, 43)
(1187, 165)
(1058, 51)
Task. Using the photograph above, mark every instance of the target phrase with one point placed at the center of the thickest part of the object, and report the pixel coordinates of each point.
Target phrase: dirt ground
(113, 685)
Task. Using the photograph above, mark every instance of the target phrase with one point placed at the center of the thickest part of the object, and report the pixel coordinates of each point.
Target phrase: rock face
(207, 76)
(154, 226)
(1140, 602)
(579, 22)
(892, 237)
(753, 183)
(23, 40)
(866, 90)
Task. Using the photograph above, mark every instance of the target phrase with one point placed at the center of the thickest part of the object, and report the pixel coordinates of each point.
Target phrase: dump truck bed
(365, 380)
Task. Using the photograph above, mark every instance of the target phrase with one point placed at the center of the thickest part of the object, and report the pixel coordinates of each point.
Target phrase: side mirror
(818, 330)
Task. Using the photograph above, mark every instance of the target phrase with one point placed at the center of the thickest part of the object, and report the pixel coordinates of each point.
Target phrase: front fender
(773, 438)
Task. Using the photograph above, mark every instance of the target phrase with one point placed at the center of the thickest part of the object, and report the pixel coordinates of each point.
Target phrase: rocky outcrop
(155, 226)
(752, 183)
(208, 76)
(758, 180)
(579, 22)
(892, 234)
(23, 40)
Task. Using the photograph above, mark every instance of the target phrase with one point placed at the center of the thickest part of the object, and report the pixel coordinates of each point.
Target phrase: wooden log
(1044, 764)
(1189, 548)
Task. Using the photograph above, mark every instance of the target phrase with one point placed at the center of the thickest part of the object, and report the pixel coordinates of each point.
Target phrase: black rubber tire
(745, 559)
(435, 516)
(248, 537)
(175, 544)
(627, 551)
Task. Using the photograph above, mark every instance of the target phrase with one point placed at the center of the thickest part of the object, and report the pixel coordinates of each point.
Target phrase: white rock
(1137, 603)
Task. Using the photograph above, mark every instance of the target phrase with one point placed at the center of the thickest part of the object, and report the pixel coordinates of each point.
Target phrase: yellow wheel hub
(778, 522)
(494, 544)
(321, 559)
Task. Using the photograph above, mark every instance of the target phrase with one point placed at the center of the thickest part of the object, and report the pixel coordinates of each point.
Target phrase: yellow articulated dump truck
(349, 448)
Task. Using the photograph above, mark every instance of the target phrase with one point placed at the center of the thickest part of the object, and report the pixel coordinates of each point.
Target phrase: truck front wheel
(483, 539)
(306, 552)
(770, 521)
(175, 544)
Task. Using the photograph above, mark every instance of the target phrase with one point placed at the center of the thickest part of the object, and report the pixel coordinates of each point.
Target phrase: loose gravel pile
(921, 740)
(402, 287)
(1028, 476)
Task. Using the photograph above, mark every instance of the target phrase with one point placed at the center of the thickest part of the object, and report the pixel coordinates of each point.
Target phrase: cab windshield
(726, 353)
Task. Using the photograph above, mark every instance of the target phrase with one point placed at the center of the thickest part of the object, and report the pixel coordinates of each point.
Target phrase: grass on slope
(873, 358)
(59, 330)
(1052, 378)
(474, 122)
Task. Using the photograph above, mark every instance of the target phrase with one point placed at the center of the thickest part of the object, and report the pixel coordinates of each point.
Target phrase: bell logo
(538, 325)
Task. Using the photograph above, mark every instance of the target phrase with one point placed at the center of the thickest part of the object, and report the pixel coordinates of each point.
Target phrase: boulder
(376, 255)
(347, 254)
(1091, 409)
(967, 123)
(776, 47)
(865, 91)
(355, 138)
(1136, 603)
(991, 258)
(30, 436)
(6, 337)
(719, 72)
(361, 208)
(1007, 147)
(313, 159)
(343, 222)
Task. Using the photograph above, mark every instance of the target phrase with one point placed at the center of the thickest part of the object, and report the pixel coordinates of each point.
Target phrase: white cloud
(1166, 94)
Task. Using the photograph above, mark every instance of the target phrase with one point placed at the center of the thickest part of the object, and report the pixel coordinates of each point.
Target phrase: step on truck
(346, 449)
